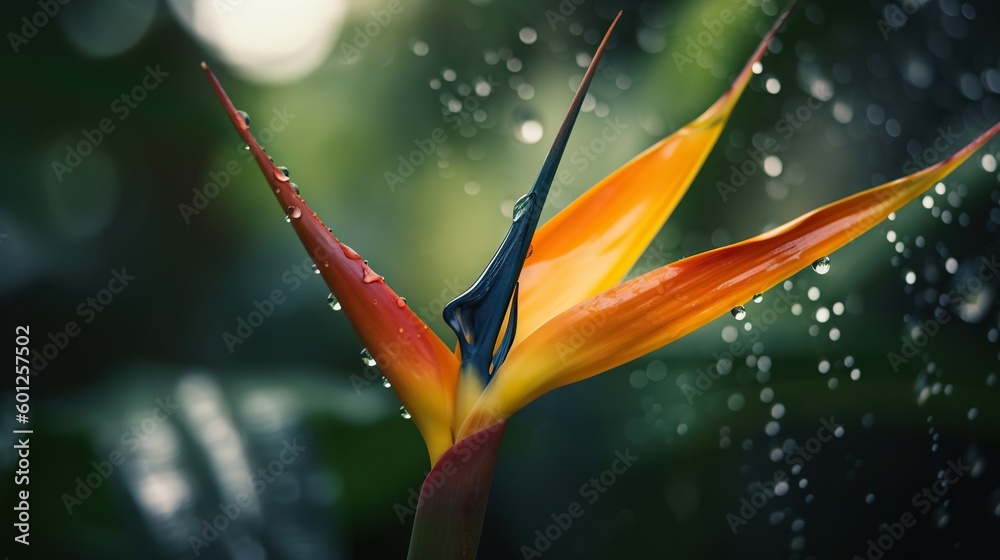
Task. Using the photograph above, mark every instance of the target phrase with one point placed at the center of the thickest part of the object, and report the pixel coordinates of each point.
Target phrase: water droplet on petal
(401, 302)
(366, 358)
(292, 213)
(404, 413)
(385, 382)
(522, 205)
(757, 298)
(246, 118)
(370, 276)
(315, 269)
(281, 173)
(739, 312)
(331, 300)
(295, 188)
(821, 265)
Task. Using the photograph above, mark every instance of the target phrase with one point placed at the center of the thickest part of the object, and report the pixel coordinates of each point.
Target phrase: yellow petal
(661, 306)
(596, 240)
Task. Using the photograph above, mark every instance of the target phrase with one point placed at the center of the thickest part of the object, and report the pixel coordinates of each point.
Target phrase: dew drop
(292, 213)
(246, 119)
(739, 312)
(385, 382)
(281, 173)
(404, 413)
(370, 276)
(401, 302)
(295, 188)
(757, 298)
(366, 358)
(821, 265)
(522, 205)
(331, 300)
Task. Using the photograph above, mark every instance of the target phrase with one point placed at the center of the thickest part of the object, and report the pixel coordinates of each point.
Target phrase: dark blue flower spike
(477, 315)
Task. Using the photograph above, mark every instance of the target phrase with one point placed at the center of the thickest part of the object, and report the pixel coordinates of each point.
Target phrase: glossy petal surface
(652, 310)
(591, 244)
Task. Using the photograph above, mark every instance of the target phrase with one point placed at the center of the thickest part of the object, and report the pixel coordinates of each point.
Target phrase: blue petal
(477, 315)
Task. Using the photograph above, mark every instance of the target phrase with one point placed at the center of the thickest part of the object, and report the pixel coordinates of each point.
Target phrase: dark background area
(887, 85)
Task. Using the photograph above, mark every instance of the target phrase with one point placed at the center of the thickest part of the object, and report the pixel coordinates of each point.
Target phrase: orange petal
(596, 240)
(661, 306)
(422, 370)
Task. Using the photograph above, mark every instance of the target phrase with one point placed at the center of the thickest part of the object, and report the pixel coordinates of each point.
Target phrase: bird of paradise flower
(460, 400)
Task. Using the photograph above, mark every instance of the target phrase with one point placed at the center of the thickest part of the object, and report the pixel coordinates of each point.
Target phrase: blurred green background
(854, 93)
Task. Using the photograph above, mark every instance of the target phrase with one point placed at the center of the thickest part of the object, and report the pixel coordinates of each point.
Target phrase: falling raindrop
(757, 298)
(404, 413)
(385, 382)
(739, 312)
(331, 300)
(821, 265)
(246, 118)
(366, 358)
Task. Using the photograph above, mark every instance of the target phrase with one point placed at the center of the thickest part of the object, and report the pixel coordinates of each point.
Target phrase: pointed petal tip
(652, 310)
(204, 66)
(425, 374)
(974, 145)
